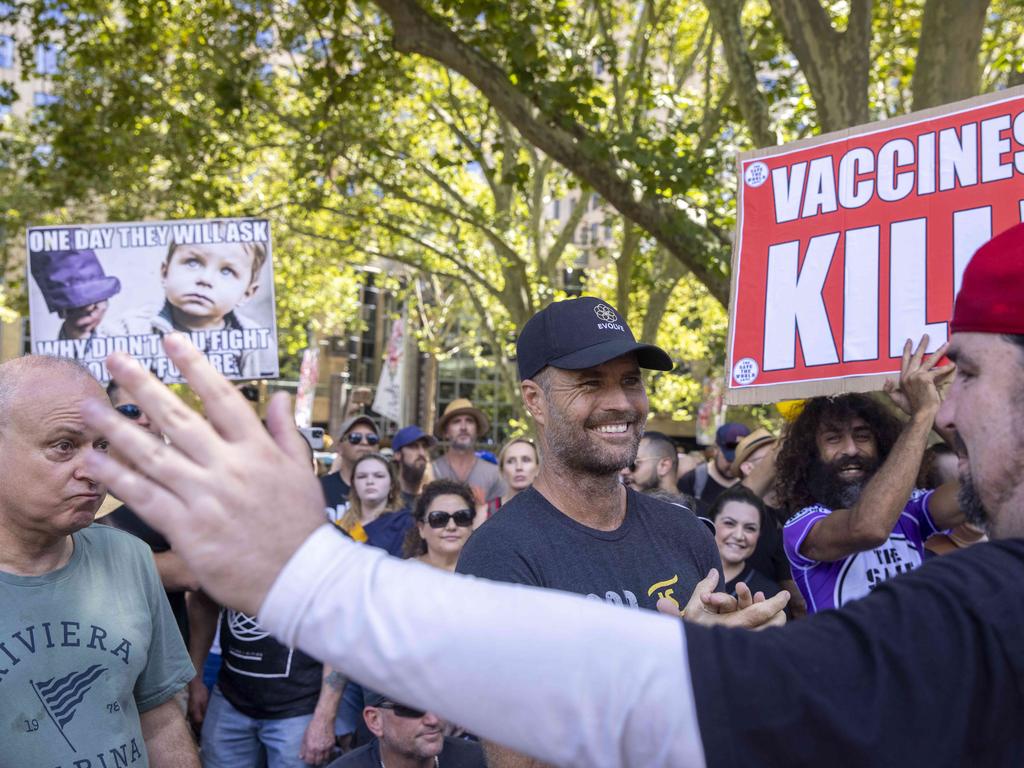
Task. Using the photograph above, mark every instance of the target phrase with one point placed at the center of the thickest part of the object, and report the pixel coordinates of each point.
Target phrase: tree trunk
(835, 63)
(725, 18)
(947, 54)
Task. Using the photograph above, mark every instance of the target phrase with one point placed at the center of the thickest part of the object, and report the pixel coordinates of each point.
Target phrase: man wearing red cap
(927, 670)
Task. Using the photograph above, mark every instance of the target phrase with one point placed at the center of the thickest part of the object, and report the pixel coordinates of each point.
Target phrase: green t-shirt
(84, 650)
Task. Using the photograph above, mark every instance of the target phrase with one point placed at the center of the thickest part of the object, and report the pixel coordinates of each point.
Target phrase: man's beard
(831, 490)
(412, 474)
(572, 446)
(644, 486)
(970, 502)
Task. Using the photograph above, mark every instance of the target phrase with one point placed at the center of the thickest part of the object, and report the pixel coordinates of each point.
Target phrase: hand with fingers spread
(747, 611)
(922, 381)
(199, 489)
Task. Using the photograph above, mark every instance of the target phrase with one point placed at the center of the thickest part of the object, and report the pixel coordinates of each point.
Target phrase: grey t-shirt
(83, 650)
(484, 477)
(660, 550)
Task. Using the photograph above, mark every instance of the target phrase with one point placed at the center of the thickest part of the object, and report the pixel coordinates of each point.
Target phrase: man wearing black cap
(577, 529)
(408, 738)
(707, 482)
(357, 437)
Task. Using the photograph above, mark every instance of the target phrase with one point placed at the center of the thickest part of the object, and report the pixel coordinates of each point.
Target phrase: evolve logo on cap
(608, 315)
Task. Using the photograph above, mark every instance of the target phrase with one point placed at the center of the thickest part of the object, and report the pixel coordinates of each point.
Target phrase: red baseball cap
(991, 298)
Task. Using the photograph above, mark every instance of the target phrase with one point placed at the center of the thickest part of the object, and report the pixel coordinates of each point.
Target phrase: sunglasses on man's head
(401, 710)
(355, 438)
(130, 411)
(462, 517)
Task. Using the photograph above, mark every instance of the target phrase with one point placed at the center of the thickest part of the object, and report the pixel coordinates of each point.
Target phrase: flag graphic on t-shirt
(62, 696)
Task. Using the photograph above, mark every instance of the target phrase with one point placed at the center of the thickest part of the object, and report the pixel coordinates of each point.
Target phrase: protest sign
(852, 242)
(99, 288)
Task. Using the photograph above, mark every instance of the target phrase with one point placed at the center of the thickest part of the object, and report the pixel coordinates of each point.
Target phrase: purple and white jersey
(833, 584)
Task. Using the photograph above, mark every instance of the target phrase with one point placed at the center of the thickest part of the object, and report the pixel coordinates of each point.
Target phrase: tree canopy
(435, 137)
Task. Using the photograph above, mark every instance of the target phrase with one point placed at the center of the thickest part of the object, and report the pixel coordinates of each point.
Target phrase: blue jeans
(233, 740)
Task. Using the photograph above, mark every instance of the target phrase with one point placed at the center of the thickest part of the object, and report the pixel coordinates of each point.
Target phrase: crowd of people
(108, 629)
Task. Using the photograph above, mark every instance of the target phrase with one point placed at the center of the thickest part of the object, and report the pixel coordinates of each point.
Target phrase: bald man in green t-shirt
(90, 656)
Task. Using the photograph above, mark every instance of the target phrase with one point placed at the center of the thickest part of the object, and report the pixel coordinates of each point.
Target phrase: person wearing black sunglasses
(408, 738)
(444, 516)
(357, 437)
(123, 405)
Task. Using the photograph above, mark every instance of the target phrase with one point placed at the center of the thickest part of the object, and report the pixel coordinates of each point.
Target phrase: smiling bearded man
(578, 529)
(847, 469)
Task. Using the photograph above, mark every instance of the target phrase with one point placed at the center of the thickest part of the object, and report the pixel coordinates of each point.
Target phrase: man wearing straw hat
(461, 425)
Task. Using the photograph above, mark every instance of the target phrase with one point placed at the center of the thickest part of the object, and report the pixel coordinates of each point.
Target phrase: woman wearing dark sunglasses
(444, 516)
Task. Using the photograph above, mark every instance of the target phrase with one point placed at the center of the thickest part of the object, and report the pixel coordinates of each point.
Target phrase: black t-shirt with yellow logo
(660, 550)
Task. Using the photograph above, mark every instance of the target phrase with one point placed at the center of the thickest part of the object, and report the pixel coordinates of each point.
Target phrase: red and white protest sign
(852, 242)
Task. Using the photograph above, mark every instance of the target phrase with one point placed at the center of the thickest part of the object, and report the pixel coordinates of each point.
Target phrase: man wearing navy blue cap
(577, 529)
(707, 482)
(411, 446)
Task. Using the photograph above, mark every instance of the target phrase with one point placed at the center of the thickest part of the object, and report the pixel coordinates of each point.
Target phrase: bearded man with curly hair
(847, 468)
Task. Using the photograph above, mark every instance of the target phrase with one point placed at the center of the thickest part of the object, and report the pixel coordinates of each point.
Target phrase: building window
(556, 209)
(43, 99)
(6, 52)
(47, 59)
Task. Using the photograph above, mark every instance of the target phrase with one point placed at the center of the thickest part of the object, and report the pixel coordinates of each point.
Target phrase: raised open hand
(211, 484)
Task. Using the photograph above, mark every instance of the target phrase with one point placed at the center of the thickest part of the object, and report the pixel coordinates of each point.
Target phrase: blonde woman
(519, 464)
(374, 513)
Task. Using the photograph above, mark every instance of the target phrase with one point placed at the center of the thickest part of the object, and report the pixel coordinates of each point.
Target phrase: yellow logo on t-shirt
(661, 589)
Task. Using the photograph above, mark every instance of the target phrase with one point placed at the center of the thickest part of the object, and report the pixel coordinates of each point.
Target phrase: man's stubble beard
(970, 501)
(412, 474)
(572, 449)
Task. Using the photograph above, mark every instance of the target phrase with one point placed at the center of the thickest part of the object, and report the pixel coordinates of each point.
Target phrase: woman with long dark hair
(443, 517)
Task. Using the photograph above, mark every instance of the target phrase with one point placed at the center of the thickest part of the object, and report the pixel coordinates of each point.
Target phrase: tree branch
(725, 16)
(835, 63)
(416, 31)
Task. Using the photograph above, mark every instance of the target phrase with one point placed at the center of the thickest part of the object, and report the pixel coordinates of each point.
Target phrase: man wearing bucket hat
(76, 288)
(462, 424)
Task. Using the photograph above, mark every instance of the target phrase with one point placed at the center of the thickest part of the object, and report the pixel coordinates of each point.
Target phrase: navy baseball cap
(728, 436)
(581, 333)
(409, 435)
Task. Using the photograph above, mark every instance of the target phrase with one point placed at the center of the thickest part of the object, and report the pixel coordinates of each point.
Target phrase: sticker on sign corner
(745, 371)
(756, 174)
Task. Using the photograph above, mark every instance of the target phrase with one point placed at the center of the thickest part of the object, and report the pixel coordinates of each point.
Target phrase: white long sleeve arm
(568, 680)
